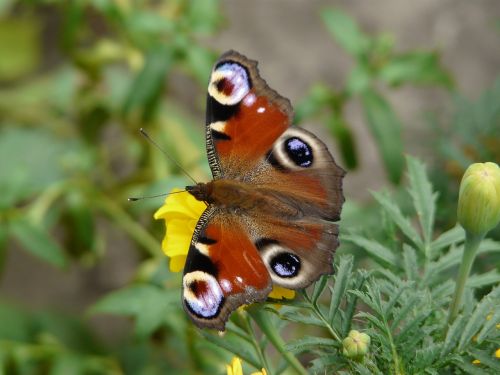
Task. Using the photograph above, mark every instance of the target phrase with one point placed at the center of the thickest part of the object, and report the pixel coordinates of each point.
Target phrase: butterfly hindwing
(223, 270)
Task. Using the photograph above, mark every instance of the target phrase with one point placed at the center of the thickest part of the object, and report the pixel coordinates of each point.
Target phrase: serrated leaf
(424, 199)
(478, 281)
(489, 326)
(149, 304)
(310, 343)
(378, 251)
(351, 302)
(339, 288)
(486, 359)
(403, 312)
(346, 32)
(403, 223)
(386, 130)
(296, 316)
(453, 334)
(373, 320)
(319, 287)
(454, 235)
(410, 262)
(478, 317)
(37, 241)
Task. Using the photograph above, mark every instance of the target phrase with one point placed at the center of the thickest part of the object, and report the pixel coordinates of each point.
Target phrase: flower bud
(479, 198)
(355, 345)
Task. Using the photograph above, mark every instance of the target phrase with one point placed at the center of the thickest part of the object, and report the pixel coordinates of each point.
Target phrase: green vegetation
(77, 81)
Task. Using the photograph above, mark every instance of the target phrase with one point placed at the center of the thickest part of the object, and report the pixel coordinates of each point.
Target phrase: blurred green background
(79, 78)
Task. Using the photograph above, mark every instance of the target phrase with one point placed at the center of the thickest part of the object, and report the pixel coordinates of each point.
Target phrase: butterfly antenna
(146, 135)
(134, 199)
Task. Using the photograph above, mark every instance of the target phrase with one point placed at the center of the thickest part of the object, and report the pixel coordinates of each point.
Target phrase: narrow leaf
(386, 129)
(340, 286)
(310, 343)
(378, 251)
(478, 317)
(424, 199)
(319, 287)
(489, 278)
(452, 236)
(410, 262)
(403, 223)
(346, 32)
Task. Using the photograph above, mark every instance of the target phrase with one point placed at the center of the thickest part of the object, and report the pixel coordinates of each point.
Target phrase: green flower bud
(479, 198)
(355, 345)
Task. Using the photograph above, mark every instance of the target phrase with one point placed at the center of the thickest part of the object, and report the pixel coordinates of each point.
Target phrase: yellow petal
(176, 263)
(279, 292)
(235, 367)
(180, 205)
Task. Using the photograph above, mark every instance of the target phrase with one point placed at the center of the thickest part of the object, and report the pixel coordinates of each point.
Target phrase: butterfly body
(272, 204)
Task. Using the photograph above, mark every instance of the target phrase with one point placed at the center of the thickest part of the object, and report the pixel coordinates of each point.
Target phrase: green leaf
(451, 236)
(386, 129)
(232, 347)
(317, 99)
(453, 334)
(489, 327)
(319, 287)
(145, 91)
(416, 67)
(424, 199)
(147, 303)
(37, 241)
(410, 263)
(295, 316)
(481, 280)
(359, 80)
(346, 32)
(345, 139)
(478, 317)
(486, 359)
(310, 343)
(403, 223)
(378, 251)
(341, 281)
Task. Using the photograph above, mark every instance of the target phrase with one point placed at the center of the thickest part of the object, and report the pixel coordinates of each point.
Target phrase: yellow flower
(235, 367)
(476, 362)
(497, 353)
(279, 292)
(181, 211)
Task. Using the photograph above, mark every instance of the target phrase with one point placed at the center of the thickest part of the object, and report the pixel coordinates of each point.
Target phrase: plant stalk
(470, 249)
(260, 317)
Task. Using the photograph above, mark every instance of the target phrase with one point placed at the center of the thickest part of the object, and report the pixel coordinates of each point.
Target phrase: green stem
(320, 315)
(258, 349)
(470, 249)
(260, 317)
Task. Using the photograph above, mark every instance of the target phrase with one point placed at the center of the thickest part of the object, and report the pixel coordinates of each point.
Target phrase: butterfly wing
(244, 116)
(289, 237)
(223, 270)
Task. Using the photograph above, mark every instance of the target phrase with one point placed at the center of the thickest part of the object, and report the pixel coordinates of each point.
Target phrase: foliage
(79, 78)
(376, 63)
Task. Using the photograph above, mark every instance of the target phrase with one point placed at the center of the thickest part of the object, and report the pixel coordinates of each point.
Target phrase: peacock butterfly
(271, 206)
